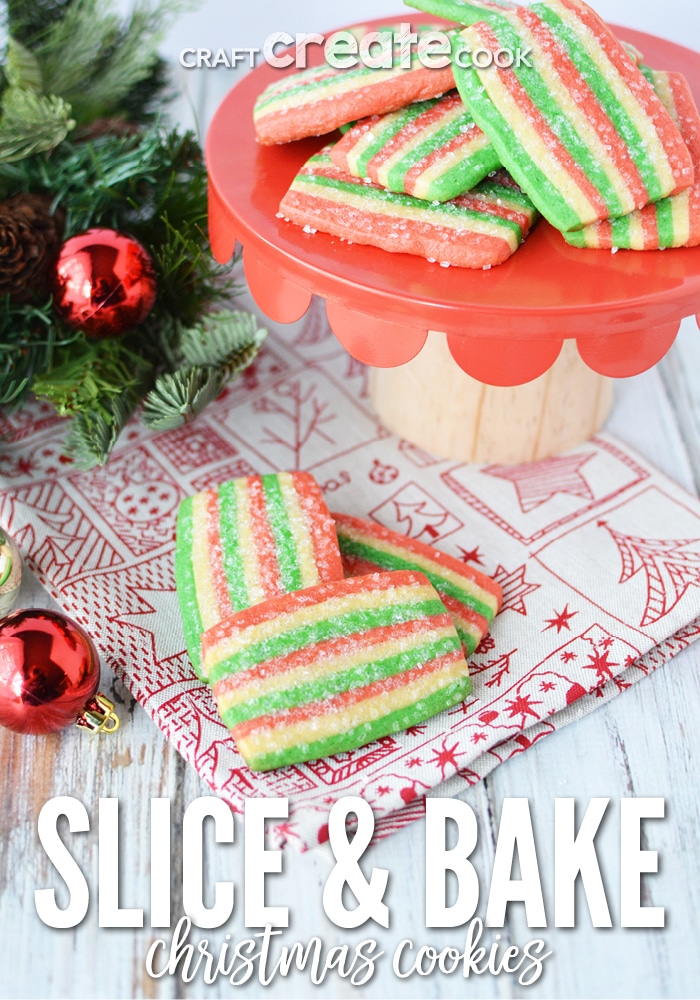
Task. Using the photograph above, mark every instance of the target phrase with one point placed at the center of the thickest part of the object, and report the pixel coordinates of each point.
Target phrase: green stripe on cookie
(601, 88)
(391, 561)
(232, 558)
(463, 176)
(344, 680)
(185, 585)
(541, 96)
(277, 95)
(336, 627)
(278, 518)
(419, 151)
(388, 127)
(402, 719)
(665, 222)
(622, 236)
(431, 212)
(514, 156)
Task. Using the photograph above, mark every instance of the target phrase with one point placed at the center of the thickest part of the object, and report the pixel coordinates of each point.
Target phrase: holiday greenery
(82, 146)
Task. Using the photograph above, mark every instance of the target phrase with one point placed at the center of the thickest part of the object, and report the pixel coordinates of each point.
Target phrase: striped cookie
(471, 11)
(318, 100)
(327, 670)
(580, 129)
(463, 11)
(472, 598)
(636, 56)
(250, 540)
(672, 222)
(479, 229)
(432, 150)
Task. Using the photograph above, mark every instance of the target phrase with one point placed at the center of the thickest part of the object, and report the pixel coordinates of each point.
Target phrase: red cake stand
(522, 362)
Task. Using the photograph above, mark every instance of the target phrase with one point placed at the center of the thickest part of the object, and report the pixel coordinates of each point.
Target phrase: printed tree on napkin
(670, 570)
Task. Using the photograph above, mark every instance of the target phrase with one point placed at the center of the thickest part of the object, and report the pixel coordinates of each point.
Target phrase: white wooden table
(645, 743)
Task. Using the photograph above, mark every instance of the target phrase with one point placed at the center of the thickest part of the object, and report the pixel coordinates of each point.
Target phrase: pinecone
(30, 238)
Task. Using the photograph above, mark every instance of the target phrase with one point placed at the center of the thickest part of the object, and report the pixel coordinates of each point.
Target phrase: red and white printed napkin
(597, 552)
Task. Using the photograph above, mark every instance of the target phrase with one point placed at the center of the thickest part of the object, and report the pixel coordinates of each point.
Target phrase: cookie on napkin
(247, 541)
(329, 669)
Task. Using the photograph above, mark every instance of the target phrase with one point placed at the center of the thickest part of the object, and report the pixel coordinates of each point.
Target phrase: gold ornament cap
(99, 716)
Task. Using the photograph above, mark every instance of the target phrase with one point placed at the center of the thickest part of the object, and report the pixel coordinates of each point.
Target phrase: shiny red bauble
(49, 671)
(104, 283)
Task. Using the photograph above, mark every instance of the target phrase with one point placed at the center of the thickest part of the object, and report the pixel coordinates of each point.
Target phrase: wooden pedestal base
(431, 402)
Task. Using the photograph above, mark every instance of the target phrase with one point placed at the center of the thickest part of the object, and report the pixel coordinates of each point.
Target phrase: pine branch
(220, 336)
(236, 361)
(177, 399)
(22, 68)
(29, 20)
(91, 373)
(31, 123)
(71, 50)
(73, 61)
(215, 351)
(99, 183)
(102, 399)
(15, 379)
(144, 102)
(161, 334)
(153, 185)
(190, 280)
(29, 337)
(94, 433)
(93, 60)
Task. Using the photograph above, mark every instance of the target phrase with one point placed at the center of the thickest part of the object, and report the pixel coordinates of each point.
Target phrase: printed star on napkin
(538, 482)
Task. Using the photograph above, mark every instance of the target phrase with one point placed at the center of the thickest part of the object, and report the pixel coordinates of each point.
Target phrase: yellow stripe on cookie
(260, 741)
(283, 623)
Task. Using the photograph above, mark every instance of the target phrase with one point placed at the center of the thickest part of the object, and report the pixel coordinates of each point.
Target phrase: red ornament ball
(49, 671)
(104, 283)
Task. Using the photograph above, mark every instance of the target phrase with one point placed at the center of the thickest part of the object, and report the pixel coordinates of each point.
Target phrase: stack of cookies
(303, 662)
(455, 164)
